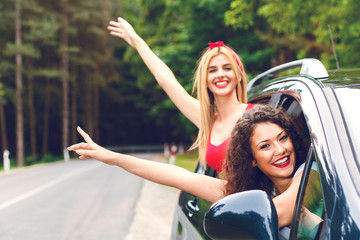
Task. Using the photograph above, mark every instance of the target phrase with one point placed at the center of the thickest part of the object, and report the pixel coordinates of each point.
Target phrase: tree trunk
(74, 123)
(96, 102)
(96, 112)
(19, 90)
(3, 127)
(46, 119)
(31, 107)
(88, 107)
(65, 69)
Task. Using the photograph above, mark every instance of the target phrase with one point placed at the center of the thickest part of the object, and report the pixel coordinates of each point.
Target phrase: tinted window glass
(311, 211)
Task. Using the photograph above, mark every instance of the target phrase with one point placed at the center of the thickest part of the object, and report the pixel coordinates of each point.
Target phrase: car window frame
(286, 100)
(310, 159)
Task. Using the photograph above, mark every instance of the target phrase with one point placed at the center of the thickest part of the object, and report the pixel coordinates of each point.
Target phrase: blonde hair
(206, 98)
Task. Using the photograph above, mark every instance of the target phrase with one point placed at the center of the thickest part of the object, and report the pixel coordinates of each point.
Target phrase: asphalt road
(79, 199)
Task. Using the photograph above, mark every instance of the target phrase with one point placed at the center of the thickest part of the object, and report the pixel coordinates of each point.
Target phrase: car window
(310, 204)
(310, 214)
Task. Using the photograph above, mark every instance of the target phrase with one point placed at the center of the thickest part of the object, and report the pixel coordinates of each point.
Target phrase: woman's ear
(254, 163)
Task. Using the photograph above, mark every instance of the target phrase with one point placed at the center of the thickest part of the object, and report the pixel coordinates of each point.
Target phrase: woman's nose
(279, 148)
(220, 73)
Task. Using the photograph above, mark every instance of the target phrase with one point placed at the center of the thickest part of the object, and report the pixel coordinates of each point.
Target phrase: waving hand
(89, 149)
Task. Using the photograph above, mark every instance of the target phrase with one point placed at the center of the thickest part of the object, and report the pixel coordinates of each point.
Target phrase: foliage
(2, 92)
(47, 158)
(113, 95)
(302, 27)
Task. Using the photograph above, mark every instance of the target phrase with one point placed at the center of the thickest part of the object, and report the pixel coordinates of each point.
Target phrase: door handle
(192, 207)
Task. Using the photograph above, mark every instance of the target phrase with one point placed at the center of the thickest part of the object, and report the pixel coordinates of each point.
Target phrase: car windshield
(348, 99)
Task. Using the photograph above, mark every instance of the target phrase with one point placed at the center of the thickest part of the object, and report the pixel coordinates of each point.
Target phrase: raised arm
(197, 184)
(188, 105)
(285, 202)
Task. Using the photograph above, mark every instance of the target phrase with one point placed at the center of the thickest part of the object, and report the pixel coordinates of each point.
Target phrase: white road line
(46, 186)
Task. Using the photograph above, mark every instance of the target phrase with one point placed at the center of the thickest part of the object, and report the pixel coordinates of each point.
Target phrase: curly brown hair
(238, 172)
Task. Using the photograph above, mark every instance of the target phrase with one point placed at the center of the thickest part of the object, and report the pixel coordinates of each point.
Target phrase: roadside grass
(32, 160)
(188, 160)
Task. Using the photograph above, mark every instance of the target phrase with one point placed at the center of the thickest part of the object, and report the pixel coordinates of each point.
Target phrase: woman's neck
(227, 107)
(228, 112)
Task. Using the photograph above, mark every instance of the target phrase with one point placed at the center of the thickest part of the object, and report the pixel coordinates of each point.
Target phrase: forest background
(60, 68)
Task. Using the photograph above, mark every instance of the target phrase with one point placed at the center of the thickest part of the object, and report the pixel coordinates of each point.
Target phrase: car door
(330, 193)
(190, 211)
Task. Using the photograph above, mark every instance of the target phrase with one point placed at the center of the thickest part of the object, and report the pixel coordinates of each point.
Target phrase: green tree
(298, 29)
(20, 158)
(5, 67)
(2, 119)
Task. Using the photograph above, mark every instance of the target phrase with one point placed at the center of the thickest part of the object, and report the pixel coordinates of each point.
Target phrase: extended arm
(285, 202)
(188, 105)
(197, 184)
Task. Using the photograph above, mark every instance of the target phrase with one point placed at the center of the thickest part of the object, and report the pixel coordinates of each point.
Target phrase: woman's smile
(282, 162)
(221, 83)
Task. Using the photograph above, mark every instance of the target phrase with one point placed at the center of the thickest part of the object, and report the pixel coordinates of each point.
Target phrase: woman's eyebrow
(262, 141)
(224, 65)
(266, 140)
(281, 133)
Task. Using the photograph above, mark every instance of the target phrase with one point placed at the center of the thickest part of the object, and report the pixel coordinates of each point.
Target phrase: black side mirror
(244, 215)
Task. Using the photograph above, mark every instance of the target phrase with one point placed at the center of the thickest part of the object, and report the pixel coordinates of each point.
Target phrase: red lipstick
(284, 164)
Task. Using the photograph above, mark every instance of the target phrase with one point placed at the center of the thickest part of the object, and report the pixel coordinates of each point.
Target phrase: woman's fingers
(73, 147)
(84, 149)
(86, 136)
(114, 29)
(83, 153)
(114, 24)
(79, 146)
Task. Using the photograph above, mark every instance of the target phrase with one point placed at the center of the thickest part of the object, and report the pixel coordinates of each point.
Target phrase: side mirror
(247, 215)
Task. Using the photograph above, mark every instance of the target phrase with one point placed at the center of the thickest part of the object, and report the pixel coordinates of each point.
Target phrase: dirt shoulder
(154, 211)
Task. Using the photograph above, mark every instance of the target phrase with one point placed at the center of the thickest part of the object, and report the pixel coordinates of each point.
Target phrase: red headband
(221, 44)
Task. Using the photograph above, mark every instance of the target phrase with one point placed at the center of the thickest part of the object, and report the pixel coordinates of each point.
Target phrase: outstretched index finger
(86, 136)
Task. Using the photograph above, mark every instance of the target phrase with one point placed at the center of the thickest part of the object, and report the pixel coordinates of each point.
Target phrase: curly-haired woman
(266, 152)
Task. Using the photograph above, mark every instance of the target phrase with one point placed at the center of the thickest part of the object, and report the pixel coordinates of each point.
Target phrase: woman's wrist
(113, 158)
(138, 42)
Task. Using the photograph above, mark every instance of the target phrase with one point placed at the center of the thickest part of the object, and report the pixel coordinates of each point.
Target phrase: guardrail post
(173, 149)
(66, 155)
(166, 150)
(6, 160)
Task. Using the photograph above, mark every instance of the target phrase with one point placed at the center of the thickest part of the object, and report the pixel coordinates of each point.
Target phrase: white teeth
(282, 161)
(220, 83)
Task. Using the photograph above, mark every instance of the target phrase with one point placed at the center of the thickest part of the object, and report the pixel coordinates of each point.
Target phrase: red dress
(215, 155)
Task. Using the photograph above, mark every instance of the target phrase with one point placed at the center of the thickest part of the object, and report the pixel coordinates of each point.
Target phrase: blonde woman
(220, 81)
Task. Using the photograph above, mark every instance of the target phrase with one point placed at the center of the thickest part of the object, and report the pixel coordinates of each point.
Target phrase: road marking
(46, 186)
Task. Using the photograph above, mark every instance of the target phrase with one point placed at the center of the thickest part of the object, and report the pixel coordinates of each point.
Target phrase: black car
(324, 104)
